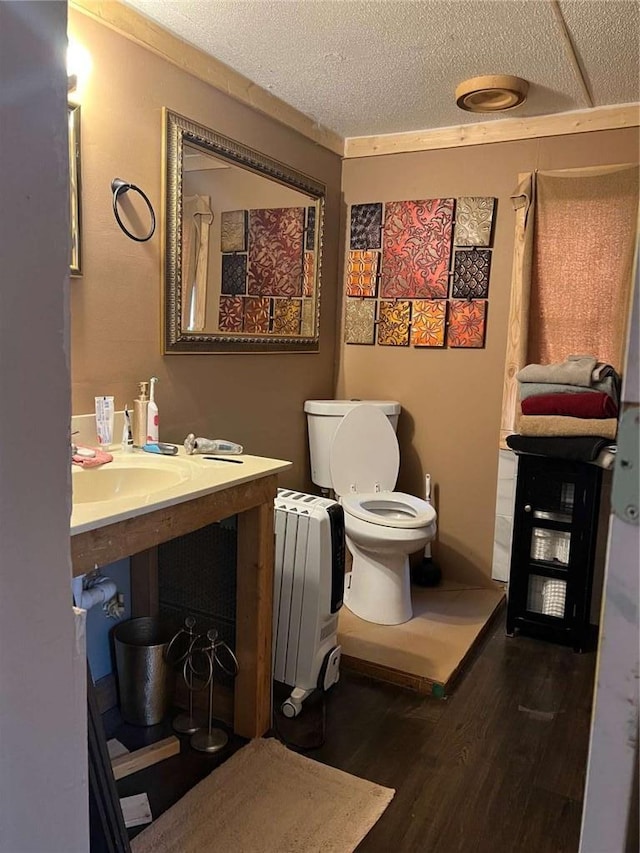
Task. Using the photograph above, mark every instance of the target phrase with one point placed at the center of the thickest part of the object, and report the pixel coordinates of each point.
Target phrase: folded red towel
(579, 405)
(100, 458)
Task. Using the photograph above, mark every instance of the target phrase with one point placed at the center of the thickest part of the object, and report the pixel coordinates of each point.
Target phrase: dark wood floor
(496, 768)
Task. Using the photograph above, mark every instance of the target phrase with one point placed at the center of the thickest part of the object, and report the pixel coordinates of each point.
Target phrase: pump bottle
(140, 407)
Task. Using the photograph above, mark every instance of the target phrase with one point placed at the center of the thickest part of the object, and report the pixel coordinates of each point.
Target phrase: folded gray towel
(532, 389)
(575, 370)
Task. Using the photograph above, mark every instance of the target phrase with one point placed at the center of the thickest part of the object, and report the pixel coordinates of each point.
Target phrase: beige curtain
(584, 242)
(196, 222)
(573, 258)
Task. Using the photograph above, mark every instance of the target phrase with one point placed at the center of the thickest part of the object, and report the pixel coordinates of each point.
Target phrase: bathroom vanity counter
(194, 493)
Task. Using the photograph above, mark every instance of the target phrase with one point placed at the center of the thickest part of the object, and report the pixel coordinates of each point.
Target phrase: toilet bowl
(382, 526)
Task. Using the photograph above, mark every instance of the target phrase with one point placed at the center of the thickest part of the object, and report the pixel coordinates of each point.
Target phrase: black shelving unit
(553, 549)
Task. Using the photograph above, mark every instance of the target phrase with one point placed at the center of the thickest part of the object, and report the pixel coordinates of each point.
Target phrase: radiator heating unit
(308, 589)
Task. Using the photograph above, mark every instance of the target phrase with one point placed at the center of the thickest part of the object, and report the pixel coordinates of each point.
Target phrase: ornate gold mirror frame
(75, 260)
(243, 247)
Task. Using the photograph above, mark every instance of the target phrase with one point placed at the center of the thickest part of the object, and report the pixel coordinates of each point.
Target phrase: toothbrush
(127, 431)
(153, 418)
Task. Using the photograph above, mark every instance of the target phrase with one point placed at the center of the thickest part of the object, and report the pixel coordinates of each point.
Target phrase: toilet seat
(389, 509)
(364, 455)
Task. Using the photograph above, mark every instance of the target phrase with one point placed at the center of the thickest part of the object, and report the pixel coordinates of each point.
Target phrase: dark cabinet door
(553, 547)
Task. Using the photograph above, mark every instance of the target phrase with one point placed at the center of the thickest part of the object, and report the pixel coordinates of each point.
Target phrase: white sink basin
(126, 478)
(137, 483)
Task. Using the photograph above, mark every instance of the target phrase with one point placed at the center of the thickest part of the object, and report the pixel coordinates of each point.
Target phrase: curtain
(196, 222)
(523, 201)
(584, 243)
(575, 240)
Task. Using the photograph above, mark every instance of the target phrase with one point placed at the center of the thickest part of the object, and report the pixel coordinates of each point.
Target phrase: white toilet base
(378, 588)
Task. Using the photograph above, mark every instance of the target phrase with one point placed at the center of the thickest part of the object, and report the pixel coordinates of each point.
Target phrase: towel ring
(120, 187)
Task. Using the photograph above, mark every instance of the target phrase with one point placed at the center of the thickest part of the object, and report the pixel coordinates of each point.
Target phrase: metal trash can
(145, 680)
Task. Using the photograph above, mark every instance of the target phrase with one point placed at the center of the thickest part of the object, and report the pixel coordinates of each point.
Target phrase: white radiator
(308, 589)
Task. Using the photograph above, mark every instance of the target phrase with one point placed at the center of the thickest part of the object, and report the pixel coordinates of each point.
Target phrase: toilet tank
(323, 417)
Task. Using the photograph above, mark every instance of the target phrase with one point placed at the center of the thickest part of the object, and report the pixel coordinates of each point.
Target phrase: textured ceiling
(365, 67)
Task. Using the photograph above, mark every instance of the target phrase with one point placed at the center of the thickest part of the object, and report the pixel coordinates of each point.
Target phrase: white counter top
(138, 482)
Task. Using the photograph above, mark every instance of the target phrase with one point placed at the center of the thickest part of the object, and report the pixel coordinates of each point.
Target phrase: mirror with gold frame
(243, 247)
(75, 260)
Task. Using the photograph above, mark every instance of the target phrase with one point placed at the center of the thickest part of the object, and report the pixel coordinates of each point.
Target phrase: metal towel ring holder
(120, 187)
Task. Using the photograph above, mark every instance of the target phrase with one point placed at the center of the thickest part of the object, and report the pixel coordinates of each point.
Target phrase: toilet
(354, 451)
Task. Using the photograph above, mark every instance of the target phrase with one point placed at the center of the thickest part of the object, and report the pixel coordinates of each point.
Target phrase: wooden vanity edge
(104, 545)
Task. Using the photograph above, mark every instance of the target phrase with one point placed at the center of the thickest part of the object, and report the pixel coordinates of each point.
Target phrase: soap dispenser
(140, 412)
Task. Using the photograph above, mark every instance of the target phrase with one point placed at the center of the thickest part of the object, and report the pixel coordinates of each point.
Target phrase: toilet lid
(364, 452)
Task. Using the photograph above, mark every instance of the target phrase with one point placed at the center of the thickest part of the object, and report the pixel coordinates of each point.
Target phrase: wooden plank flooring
(497, 768)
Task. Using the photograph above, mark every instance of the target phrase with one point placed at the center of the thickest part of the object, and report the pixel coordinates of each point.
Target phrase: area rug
(267, 799)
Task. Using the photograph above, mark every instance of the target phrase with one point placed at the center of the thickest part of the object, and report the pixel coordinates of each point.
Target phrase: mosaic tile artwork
(474, 218)
(366, 226)
(231, 311)
(362, 273)
(417, 248)
(359, 321)
(308, 274)
(471, 273)
(428, 322)
(275, 251)
(233, 231)
(234, 274)
(310, 230)
(308, 318)
(393, 323)
(287, 314)
(257, 310)
(467, 323)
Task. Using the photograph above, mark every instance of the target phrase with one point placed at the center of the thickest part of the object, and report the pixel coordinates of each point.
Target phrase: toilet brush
(426, 573)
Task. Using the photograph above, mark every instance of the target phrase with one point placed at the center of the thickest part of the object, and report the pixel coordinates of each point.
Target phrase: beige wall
(256, 400)
(451, 399)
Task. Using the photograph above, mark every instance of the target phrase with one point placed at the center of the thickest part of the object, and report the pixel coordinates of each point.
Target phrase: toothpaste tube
(105, 413)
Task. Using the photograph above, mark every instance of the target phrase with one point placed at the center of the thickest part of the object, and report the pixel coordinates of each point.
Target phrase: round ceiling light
(491, 94)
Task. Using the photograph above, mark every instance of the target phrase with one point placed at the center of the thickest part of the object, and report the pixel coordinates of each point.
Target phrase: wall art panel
(362, 273)
(233, 231)
(474, 220)
(428, 322)
(287, 315)
(393, 324)
(366, 226)
(416, 249)
(234, 275)
(308, 274)
(231, 313)
(471, 269)
(308, 317)
(310, 230)
(466, 324)
(360, 319)
(257, 314)
(275, 251)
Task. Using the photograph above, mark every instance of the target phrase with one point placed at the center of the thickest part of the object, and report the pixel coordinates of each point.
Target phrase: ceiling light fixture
(491, 94)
